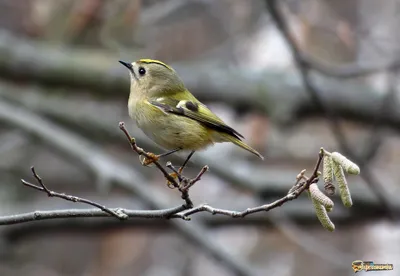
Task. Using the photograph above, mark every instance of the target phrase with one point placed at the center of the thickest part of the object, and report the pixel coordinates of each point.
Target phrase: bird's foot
(169, 183)
(146, 161)
(177, 174)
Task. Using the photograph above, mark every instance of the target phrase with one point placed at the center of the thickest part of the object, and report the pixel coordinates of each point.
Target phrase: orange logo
(369, 266)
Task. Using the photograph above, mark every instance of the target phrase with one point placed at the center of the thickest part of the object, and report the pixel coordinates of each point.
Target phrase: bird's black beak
(126, 64)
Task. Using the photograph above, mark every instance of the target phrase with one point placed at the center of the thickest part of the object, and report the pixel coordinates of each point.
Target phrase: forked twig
(184, 183)
(294, 193)
(118, 214)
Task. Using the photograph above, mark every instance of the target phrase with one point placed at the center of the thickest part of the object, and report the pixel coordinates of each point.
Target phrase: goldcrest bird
(170, 115)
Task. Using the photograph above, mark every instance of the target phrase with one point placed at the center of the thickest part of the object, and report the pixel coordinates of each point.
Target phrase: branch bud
(329, 188)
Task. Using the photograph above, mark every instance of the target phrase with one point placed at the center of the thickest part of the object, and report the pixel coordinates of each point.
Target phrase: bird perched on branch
(170, 115)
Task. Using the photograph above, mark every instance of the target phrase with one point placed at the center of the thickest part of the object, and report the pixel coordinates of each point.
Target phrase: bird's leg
(168, 152)
(186, 161)
(178, 173)
(153, 157)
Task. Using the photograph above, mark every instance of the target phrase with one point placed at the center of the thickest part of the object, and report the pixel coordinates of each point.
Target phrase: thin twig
(140, 151)
(184, 183)
(115, 212)
(196, 179)
(263, 208)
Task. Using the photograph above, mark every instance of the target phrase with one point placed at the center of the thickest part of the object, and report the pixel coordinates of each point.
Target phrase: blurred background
(63, 92)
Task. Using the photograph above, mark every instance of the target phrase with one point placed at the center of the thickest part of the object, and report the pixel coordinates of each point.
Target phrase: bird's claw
(174, 175)
(169, 184)
(146, 161)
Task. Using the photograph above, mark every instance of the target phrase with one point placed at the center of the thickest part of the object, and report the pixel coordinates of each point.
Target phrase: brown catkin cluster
(334, 167)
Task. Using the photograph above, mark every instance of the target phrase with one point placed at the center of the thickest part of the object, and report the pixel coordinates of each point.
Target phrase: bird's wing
(195, 110)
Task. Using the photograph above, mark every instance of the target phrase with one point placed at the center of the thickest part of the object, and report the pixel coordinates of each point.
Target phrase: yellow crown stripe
(148, 61)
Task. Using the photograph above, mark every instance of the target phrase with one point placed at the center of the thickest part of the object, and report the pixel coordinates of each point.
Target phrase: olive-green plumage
(169, 114)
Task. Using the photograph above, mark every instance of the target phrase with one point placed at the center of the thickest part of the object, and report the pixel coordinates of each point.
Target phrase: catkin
(349, 166)
(317, 195)
(327, 173)
(322, 215)
(342, 183)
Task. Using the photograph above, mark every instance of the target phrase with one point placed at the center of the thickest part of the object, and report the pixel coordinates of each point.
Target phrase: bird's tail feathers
(243, 145)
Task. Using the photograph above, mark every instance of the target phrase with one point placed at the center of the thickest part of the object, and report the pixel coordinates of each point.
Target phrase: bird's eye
(142, 71)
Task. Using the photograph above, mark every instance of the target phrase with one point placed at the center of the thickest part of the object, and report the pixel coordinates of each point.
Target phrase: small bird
(170, 115)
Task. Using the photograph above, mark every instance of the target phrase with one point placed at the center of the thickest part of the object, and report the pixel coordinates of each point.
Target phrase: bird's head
(153, 78)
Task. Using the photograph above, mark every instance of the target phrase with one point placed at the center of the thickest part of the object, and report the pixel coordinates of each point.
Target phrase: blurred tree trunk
(327, 29)
(379, 30)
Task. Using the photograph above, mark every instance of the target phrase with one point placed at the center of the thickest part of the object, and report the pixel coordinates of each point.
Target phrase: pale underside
(172, 131)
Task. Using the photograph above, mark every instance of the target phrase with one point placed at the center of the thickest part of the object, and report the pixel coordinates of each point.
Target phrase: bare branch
(183, 211)
(263, 208)
(196, 179)
(118, 214)
(86, 213)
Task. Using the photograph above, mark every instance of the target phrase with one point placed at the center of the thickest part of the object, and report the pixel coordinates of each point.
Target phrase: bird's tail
(243, 145)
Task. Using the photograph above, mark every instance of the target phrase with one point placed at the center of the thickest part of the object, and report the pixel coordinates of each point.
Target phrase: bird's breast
(171, 131)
